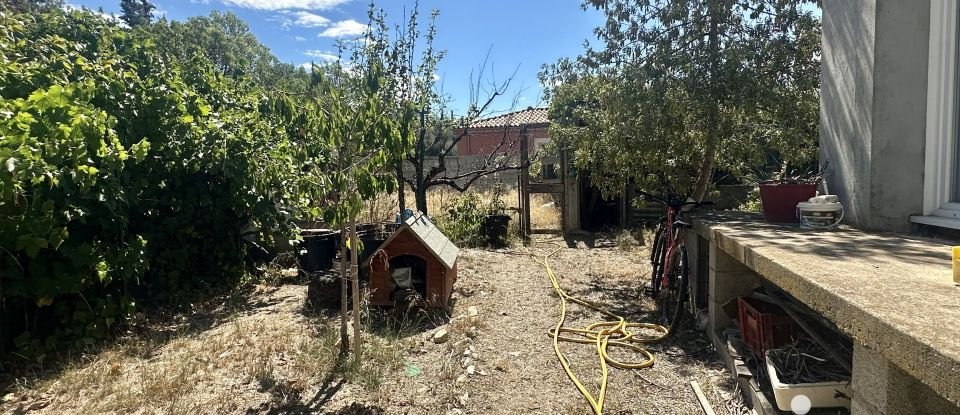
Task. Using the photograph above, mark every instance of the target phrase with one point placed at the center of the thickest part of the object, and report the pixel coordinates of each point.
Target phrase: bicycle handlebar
(675, 203)
(650, 197)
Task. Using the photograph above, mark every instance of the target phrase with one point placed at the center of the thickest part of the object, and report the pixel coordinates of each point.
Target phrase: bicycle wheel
(657, 242)
(670, 301)
(657, 255)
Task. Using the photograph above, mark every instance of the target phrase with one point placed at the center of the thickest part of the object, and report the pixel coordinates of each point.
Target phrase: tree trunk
(713, 110)
(355, 282)
(706, 170)
(420, 193)
(401, 197)
(344, 336)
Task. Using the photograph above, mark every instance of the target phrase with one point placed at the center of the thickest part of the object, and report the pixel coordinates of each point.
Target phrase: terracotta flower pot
(780, 200)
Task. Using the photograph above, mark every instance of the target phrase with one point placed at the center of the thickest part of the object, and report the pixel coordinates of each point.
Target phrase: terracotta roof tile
(514, 119)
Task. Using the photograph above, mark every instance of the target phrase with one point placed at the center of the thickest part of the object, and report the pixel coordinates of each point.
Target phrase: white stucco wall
(873, 108)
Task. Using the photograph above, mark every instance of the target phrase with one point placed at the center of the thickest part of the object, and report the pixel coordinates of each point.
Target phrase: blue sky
(523, 34)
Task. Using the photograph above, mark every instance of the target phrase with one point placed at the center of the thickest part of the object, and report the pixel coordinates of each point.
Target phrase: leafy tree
(348, 130)
(124, 179)
(435, 129)
(136, 12)
(31, 5)
(226, 40)
(678, 88)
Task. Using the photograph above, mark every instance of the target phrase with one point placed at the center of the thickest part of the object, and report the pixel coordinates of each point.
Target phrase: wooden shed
(416, 258)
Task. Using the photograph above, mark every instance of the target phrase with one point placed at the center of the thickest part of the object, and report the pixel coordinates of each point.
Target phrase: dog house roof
(439, 245)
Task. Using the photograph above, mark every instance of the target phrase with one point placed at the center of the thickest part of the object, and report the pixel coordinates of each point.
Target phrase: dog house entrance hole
(408, 275)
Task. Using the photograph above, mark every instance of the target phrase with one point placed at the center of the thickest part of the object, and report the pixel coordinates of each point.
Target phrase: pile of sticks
(804, 361)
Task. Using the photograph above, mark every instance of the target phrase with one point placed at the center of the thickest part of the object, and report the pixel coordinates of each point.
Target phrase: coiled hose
(603, 334)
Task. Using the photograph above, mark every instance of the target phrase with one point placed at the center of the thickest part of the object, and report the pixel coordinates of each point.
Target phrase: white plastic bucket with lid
(819, 215)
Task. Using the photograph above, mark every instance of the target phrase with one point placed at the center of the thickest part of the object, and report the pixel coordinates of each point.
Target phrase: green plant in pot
(496, 221)
(780, 194)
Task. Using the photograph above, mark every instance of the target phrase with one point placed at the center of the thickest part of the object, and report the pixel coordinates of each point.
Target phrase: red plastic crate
(764, 325)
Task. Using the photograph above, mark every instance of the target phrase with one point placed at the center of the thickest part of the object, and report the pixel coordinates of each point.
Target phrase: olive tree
(678, 88)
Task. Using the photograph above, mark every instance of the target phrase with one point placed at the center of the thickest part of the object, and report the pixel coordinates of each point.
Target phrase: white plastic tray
(820, 395)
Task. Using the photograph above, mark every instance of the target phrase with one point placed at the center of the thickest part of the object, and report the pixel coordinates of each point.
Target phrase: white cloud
(304, 19)
(344, 28)
(285, 4)
(299, 38)
(323, 56)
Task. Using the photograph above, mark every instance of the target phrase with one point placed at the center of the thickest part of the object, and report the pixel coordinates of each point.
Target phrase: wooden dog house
(417, 257)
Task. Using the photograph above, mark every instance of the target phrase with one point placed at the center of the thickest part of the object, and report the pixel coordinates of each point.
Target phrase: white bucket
(819, 215)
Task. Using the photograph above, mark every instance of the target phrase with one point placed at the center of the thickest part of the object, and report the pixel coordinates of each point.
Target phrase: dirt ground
(269, 356)
(516, 369)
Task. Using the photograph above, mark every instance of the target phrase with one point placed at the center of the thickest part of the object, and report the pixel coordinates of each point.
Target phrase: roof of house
(515, 119)
(427, 233)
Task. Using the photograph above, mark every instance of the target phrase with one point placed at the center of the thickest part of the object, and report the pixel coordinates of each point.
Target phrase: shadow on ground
(399, 321)
(688, 345)
(150, 330)
(589, 240)
(287, 400)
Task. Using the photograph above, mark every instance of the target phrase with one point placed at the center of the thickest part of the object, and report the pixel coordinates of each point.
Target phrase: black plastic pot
(320, 250)
(371, 242)
(495, 228)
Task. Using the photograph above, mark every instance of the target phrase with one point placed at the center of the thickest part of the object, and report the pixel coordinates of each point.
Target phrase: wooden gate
(550, 185)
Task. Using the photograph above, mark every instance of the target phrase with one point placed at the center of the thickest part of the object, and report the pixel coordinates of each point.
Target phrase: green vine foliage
(465, 219)
(463, 223)
(124, 178)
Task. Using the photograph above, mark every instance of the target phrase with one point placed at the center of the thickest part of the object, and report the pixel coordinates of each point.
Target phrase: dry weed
(544, 210)
(264, 359)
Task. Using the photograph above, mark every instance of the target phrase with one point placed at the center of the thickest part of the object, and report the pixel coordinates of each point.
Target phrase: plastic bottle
(956, 264)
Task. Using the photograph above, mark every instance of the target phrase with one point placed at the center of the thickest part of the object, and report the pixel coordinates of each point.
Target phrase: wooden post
(344, 337)
(401, 198)
(525, 183)
(563, 196)
(355, 282)
(520, 201)
(623, 207)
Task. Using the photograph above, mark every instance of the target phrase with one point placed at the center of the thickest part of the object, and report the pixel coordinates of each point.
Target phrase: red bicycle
(669, 282)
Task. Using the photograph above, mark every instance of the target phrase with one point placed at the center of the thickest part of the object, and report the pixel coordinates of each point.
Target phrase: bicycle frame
(673, 235)
(671, 243)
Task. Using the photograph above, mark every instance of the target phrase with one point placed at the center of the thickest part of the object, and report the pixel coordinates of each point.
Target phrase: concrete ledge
(891, 293)
(936, 221)
(882, 388)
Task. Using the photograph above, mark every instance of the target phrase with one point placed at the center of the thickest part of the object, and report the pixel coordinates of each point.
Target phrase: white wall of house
(873, 112)
(941, 177)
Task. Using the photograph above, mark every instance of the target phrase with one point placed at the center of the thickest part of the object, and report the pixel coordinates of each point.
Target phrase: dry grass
(544, 212)
(267, 359)
(267, 356)
(630, 240)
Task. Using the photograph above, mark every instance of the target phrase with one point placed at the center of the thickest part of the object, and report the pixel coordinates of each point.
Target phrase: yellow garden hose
(603, 335)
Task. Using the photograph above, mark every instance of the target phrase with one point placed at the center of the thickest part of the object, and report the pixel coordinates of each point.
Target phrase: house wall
(873, 108)
(482, 141)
